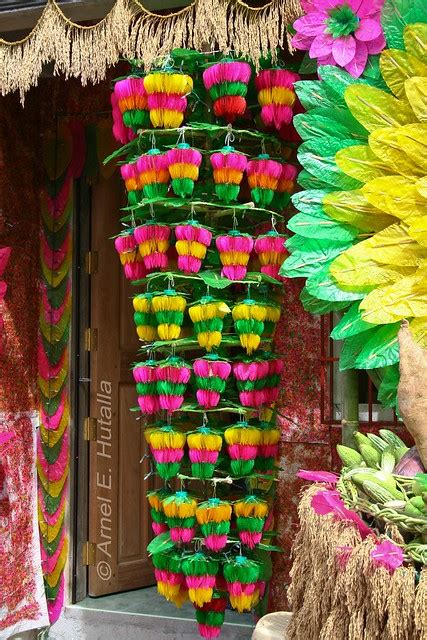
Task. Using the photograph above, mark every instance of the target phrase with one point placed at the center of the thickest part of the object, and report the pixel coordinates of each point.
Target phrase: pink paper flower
(340, 32)
(318, 476)
(387, 554)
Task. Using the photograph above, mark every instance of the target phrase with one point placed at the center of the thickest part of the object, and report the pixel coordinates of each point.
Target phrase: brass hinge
(90, 427)
(91, 339)
(91, 262)
(88, 554)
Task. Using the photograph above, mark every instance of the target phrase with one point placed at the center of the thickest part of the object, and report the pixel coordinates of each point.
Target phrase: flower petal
(321, 46)
(302, 42)
(377, 45)
(310, 25)
(369, 29)
(318, 476)
(358, 64)
(344, 50)
(369, 8)
(325, 5)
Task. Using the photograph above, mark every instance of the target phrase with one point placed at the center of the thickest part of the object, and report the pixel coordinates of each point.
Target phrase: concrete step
(80, 623)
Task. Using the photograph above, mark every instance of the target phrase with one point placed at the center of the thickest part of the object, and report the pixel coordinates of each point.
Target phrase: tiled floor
(148, 602)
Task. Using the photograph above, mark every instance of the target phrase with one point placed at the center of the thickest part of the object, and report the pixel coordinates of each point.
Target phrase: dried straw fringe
(131, 31)
(357, 603)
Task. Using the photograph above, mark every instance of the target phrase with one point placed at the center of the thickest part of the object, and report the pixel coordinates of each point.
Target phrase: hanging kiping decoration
(214, 518)
(210, 617)
(241, 575)
(127, 248)
(268, 448)
(263, 179)
(228, 167)
(276, 96)
(167, 99)
(180, 512)
(155, 499)
(169, 308)
(153, 174)
(227, 84)
(167, 448)
(144, 317)
(234, 252)
(153, 243)
(130, 175)
(242, 441)
(200, 574)
(192, 242)
(204, 446)
(250, 513)
(249, 316)
(183, 164)
(211, 374)
(173, 376)
(145, 375)
(169, 576)
(132, 102)
(285, 187)
(208, 318)
(271, 252)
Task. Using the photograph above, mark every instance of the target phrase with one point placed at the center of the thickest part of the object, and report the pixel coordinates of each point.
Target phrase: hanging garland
(207, 379)
(131, 31)
(53, 365)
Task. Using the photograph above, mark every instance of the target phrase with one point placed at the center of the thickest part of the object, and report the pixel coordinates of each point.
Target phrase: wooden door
(119, 522)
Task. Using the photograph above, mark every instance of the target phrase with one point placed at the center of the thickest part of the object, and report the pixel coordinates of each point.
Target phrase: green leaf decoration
(321, 227)
(310, 201)
(326, 146)
(307, 180)
(316, 306)
(311, 93)
(352, 347)
(327, 170)
(396, 14)
(337, 80)
(372, 69)
(322, 285)
(305, 263)
(310, 125)
(214, 280)
(387, 391)
(299, 243)
(160, 544)
(351, 324)
(382, 348)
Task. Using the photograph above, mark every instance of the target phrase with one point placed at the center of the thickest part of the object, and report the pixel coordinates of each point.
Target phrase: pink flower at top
(340, 32)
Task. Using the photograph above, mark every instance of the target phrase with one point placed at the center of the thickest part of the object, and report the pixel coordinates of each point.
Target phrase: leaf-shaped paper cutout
(418, 231)
(396, 14)
(375, 109)
(416, 92)
(422, 187)
(351, 324)
(360, 163)
(387, 391)
(304, 263)
(321, 227)
(214, 280)
(386, 145)
(325, 146)
(415, 38)
(406, 298)
(327, 170)
(418, 327)
(312, 124)
(381, 349)
(412, 140)
(308, 181)
(351, 207)
(160, 544)
(322, 286)
(396, 195)
(391, 247)
(351, 348)
(337, 80)
(298, 243)
(309, 201)
(316, 306)
(311, 93)
(397, 66)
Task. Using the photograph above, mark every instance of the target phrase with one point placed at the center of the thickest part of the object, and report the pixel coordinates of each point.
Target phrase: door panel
(119, 522)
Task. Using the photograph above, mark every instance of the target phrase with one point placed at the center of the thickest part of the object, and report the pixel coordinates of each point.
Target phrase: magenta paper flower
(318, 476)
(388, 555)
(340, 32)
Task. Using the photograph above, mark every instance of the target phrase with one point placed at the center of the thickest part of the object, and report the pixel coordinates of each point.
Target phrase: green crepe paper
(249, 326)
(254, 525)
(51, 503)
(210, 618)
(321, 227)
(336, 82)
(170, 317)
(157, 516)
(326, 146)
(183, 523)
(281, 199)
(202, 470)
(316, 254)
(213, 383)
(161, 544)
(183, 187)
(398, 13)
(327, 170)
(322, 285)
(245, 571)
(228, 89)
(241, 467)
(311, 93)
(155, 190)
(227, 192)
(50, 405)
(56, 295)
(215, 324)
(52, 592)
(310, 201)
(264, 464)
(352, 347)
(136, 119)
(351, 324)
(145, 319)
(164, 387)
(309, 125)
(51, 453)
(217, 528)
(262, 197)
(200, 565)
(381, 349)
(387, 391)
(214, 280)
(250, 385)
(168, 470)
(316, 306)
(306, 180)
(169, 561)
(135, 197)
(51, 547)
(146, 388)
(56, 238)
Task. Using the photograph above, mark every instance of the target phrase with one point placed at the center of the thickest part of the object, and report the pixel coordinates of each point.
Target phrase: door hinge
(91, 262)
(90, 427)
(91, 339)
(88, 554)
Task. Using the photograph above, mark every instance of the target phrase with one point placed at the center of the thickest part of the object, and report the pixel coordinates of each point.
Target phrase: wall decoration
(208, 355)
(4, 257)
(23, 603)
(361, 227)
(55, 315)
